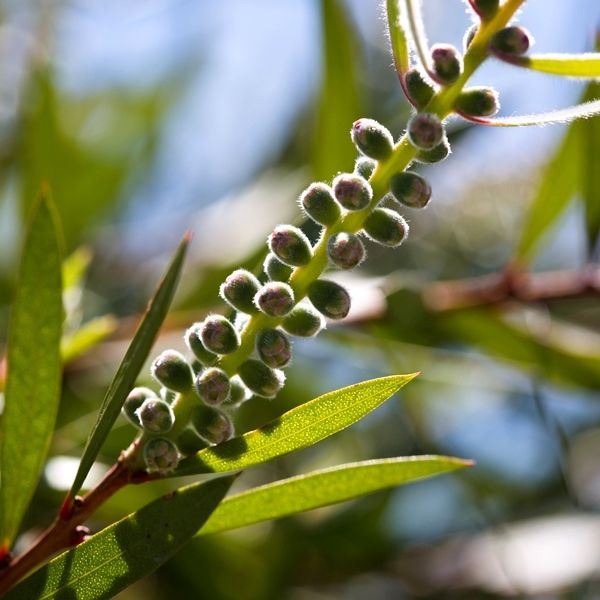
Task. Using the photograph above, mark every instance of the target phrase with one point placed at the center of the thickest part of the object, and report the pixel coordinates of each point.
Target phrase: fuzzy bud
(410, 189)
(172, 370)
(446, 62)
(425, 131)
(511, 40)
(319, 204)
(290, 245)
(386, 227)
(275, 269)
(239, 289)
(352, 192)
(155, 416)
(345, 250)
(211, 424)
(260, 379)
(134, 400)
(275, 299)
(218, 335)
(213, 386)
(329, 298)
(486, 9)
(189, 442)
(304, 321)
(419, 90)
(364, 166)
(469, 35)
(274, 348)
(238, 393)
(193, 341)
(160, 455)
(478, 102)
(435, 155)
(372, 139)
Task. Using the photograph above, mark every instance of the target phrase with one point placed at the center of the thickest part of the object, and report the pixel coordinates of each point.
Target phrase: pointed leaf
(323, 488)
(300, 427)
(125, 552)
(32, 390)
(398, 39)
(417, 31)
(570, 65)
(130, 366)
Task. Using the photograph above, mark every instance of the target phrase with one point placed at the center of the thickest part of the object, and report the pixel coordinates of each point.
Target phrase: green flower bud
(386, 227)
(410, 189)
(486, 9)
(329, 298)
(478, 102)
(364, 167)
(189, 442)
(275, 269)
(345, 250)
(193, 341)
(213, 386)
(435, 155)
(425, 131)
(239, 289)
(290, 245)
(155, 416)
(319, 204)
(275, 299)
(211, 424)
(160, 455)
(468, 37)
(372, 139)
(304, 321)
(352, 192)
(260, 379)
(238, 394)
(418, 88)
(511, 40)
(274, 348)
(446, 62)
(136, 397)
(172, 370)
(218, 335)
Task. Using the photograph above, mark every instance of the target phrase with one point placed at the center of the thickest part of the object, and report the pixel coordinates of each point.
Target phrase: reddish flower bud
(478, 102)
(319, 204)
(410, 189)
(134, 400)
(274, 348)
(211, 424)
(213, 386)
(218, 335)
(386, 227)
(352, 192)
(275, 299)
(446, 63)
(239, 289)
(290, 245)
(425, 131)
(172, 370)
(260, 379)
(419, 90)
(345, 250)
(329, 298)
(486, 9)
(372, 139)
(160, 455)
(511, 40)
(193, 341)
(155, 416)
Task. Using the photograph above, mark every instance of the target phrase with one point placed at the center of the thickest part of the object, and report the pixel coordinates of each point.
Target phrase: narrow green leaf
(558, 186)
(128, 550)
(324, 487)
(398, 39)
(417, 31)
(570, 65)
(339, 101)
(130, 366)
(32, 391)
(87, 336)
(298, 428)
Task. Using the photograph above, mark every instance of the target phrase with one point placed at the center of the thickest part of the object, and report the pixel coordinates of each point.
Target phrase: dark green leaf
(300, 427)
(34, 369)
(128, 550)
(130, 366)
(324, 487)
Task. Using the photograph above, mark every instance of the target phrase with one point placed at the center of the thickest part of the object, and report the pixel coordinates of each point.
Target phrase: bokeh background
(151, 118)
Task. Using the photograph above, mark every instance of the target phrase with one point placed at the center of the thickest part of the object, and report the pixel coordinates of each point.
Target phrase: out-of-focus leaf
(571, 65)
(125, 552)
(75, 267)
(298, 428)
(130, 366)
(86, 337)
(34, 369)
(324, 487)
(339, 103)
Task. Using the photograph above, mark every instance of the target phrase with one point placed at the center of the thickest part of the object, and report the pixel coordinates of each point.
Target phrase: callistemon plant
(187, 422)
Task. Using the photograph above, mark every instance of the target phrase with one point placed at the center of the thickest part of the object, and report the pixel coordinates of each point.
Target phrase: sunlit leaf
(302, 426)
(32, 391)
(87, 336)
(324, 487)
(585, 65)
(398, 39)
(134, 359)
(125, 552)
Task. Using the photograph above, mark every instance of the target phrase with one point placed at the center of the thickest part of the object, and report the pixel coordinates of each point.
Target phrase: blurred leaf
(570, 65)
(86, 337)
(339, 102)
(298, 428)
(34, 369)
(323, 488)
(75, 267)
(130, 366)
(125, 552)
(398, 39)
